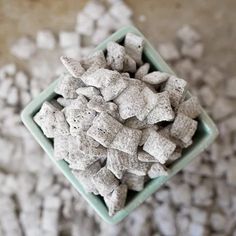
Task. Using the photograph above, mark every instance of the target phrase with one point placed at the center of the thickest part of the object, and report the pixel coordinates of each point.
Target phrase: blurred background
(35, 199)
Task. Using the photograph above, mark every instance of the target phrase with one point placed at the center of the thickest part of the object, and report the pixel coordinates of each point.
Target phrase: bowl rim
(96, 203)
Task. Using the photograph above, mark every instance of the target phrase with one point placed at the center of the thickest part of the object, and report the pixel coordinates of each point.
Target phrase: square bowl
(204, 136)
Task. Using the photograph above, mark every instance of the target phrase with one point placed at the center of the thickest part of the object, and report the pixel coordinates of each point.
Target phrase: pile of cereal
(117, 123)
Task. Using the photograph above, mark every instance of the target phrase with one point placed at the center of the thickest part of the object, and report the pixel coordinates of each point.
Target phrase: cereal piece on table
(134, 47)
(88, 92)
(61, 147)
(142, 71)
(115, 162)
(99, 35)
(98, 104)
(145, 157)
(67, 86)
(222, 108)
(46, 39)
(13, 96)
(145, 134)
(193, 51)
(129, 64)
(23, 48)
(206, 96)
(135, 123)
(134, 182)
(85, 24)
(162, 111)
(151, 100)
(73, 66)
(213, 77)
(130, 102)
(183, 128)
(115, 56)
(118, 7)
(115, 201)
(127, 140)
(115, 88)
(62, 127)
(155, 78)
(176, 88)
(230, 89)
(97, 58)
(157, 170)
(159, 147)
(46, 120)
(188, 35)
(190, 107)
(105, 181)
(69, 39)
(169, 51)
(85, 177)
(94, 9)
(21, 80)
(104, 129)
(80, 119)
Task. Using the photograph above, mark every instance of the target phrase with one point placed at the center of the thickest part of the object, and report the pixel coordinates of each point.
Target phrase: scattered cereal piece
(85, 24)
(231, 88)
(46, 39)
(73, 66)
(69, 39)
(94, 9)
(23, 48)
(188, 35)
(159, 147)
(99, 35)
(193, 51)
(222, 108)
(169, 51)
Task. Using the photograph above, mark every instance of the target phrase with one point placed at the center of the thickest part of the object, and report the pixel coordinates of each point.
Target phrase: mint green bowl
(204, 136)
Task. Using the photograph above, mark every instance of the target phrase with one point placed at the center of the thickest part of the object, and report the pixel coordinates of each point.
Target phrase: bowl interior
(204, 135)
